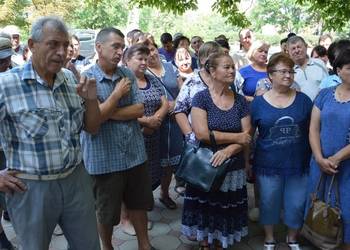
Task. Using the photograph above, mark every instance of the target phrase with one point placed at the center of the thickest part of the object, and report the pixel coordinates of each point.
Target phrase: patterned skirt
(219, 215)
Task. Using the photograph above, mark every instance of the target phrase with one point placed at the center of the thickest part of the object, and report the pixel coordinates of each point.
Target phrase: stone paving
(165, 234)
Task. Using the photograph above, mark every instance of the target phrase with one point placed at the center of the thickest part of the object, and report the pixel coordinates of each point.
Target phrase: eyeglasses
(284, 71)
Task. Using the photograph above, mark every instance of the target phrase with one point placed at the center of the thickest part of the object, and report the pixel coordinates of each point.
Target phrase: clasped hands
(329, 165)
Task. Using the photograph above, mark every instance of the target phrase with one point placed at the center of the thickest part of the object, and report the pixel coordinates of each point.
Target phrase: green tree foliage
(176, 6)
(61, 8)
(12, 12)
(227, 8)
(95, 14)
(334, 13)
(286, 15)
(206, 25)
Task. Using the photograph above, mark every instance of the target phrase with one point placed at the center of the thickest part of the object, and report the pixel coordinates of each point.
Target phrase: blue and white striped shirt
(40, 126)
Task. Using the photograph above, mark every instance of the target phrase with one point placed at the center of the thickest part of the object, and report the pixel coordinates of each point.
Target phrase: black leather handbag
(196, 169)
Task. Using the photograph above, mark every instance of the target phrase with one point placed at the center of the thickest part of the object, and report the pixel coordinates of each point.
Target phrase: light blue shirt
(330, 81)
(119, 145)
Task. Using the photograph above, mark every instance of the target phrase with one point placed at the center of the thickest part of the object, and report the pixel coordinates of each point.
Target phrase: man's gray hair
(55, 22)
(102, 36)
(295, 39)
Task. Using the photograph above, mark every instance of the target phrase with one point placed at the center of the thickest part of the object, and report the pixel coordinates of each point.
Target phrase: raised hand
(87, 88)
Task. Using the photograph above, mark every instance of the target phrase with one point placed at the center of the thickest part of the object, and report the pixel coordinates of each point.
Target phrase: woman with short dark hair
(156, 107)
(199, 81)
(183, 42)
(171, 143)
(282, 152)
(330, 139)
(320, 52)
(219, 217)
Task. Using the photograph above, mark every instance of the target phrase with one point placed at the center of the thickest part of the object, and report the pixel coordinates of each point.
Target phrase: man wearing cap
(5, 62)
(5, 54)
(42, 112)
(13, 31)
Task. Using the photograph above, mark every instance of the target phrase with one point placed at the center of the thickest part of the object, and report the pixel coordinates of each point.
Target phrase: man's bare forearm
(128, 113)
(92, 116)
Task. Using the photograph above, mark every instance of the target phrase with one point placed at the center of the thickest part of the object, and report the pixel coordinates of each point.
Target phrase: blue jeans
(68, 202)
(282, 192)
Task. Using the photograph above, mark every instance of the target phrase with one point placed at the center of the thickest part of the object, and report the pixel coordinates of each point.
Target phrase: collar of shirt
(100, 75)
(310, 62)
(30, 76)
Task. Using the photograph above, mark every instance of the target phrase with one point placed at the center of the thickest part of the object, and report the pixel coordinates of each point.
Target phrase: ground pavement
(165, 234)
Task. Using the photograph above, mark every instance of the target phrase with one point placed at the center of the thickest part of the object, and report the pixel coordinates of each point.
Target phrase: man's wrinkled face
(111, 51)
(50, 53)
(15, 41)
(297, 51)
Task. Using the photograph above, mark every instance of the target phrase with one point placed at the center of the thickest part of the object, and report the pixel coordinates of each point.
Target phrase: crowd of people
(86, 141)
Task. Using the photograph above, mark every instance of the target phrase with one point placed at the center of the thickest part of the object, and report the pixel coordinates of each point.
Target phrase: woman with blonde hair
(256, 70)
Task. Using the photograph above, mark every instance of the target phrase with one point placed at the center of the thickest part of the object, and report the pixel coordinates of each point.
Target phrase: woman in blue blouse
(282, 152)
(199, 81)
(255, 71)
(219, 217)
(171, 142)
(330, 138)
(156, 107)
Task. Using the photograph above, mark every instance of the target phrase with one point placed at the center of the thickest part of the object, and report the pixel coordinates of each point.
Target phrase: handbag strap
(163, 84)
(213, 141)
(334, 183)
(318, 187)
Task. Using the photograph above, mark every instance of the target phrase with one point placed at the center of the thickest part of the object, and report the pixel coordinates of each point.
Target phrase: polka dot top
(222, 120)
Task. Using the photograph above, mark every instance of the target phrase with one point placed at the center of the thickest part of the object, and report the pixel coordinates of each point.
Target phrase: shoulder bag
(196, 169)
(323, 224)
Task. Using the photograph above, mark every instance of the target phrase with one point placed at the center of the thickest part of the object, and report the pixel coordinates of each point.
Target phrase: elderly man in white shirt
(309, 71)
